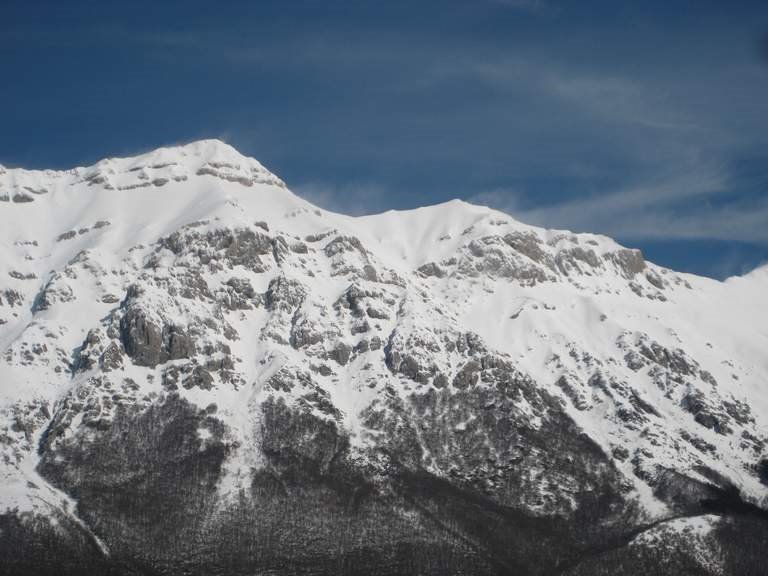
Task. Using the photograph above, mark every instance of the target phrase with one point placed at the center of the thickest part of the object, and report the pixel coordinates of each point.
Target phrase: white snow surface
(119, 208)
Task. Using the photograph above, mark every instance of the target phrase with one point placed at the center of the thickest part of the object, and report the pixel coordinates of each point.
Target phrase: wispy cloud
(689, 207)
(621, 100)
(608, 134)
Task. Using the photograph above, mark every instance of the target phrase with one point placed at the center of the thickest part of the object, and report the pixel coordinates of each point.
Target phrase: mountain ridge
(212, 149)
(180, 332)
(217, 150)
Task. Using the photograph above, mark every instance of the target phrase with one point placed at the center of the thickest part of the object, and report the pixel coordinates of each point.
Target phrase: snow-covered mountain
(201, 372)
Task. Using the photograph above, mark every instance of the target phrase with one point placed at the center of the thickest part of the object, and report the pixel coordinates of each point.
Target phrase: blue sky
(647, 121)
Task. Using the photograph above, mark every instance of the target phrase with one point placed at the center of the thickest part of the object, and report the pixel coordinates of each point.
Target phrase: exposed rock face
(220, 248)
(112, 357)
(143, 340)
(240, 383)
(284, 294)
(57, 289)
(239, 294)
(149, 345)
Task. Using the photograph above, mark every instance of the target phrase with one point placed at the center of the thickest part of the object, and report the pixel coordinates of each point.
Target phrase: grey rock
(177, 343)
(528, 244)
(467, 376)
(305, 334)
(707, 377)
(284, 294)
(221, 247)
(239, 294)
(280, 250)
(654, 279)
(431, 269)
(112, 357)
(376, 314)
(620, 453)
(696, 403)
(361, 327)
(342, 244)
(66, 235)
(22, 198)
(572, 389)
(36, 191)
(141, 338)
(341, 353)
(629, 262)
(13, 297)
(15, 274)
(440, 380)
(199, 378)
(299, 248)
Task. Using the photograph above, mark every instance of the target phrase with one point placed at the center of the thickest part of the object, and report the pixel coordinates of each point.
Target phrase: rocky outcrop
(239, 294)
(218, 248)
(148, 344)
(142, 339)
(284, 294)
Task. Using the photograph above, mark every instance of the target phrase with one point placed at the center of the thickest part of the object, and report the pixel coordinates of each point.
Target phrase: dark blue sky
(647, 121)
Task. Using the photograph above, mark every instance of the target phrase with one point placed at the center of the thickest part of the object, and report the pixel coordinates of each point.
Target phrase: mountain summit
(202, 373)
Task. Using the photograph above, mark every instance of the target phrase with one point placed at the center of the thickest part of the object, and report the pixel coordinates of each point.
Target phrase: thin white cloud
(640, 116)
(621, 100)
(673, 209)
(681, 208)
(745, 222)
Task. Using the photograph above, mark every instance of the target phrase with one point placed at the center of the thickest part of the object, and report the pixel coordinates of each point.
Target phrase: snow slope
(664, 371)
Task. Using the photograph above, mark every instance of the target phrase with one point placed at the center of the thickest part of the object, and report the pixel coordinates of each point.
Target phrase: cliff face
(202, 373)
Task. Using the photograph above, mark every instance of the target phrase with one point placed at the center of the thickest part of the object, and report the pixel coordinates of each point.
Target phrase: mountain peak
(184, 294)
(211, 149)
(210, 157)
(169, 170)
